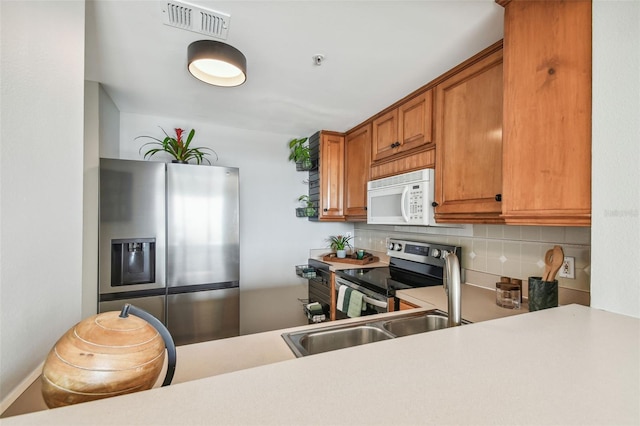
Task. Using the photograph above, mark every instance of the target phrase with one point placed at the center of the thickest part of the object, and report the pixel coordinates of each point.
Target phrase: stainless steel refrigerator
(169, 244)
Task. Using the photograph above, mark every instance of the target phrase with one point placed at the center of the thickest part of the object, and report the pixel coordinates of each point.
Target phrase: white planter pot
(341, 254)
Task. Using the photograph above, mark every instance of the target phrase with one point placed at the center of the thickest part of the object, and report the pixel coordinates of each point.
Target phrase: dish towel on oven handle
(356, 304)
(342, 290)
(350, 301)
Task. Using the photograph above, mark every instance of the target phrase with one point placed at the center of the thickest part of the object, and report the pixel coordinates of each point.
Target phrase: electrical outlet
(568, 268)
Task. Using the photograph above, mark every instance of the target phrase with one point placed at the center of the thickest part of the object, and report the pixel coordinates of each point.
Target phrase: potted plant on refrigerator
(339, 243)
(300, 154)
(180, 149)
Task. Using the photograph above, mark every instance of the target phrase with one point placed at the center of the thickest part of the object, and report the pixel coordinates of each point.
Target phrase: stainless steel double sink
(318, 340)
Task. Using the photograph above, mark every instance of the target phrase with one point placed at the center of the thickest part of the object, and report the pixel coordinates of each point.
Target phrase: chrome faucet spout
(452, 287)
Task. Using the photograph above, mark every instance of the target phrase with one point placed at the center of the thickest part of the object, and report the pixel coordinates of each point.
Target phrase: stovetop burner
(387, 280)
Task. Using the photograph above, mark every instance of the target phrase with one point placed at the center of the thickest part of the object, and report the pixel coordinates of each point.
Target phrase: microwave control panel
(416, 202)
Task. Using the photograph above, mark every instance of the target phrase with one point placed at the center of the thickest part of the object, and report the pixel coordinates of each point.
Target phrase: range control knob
(390, 247)
(435, 253)
(397, 247)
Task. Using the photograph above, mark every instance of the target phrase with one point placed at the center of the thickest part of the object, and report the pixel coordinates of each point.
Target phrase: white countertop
(567, 365)
(476, 303)
(336, 265)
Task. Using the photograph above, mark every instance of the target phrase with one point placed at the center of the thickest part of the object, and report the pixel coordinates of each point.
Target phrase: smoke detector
(318, 59)
(197, 19)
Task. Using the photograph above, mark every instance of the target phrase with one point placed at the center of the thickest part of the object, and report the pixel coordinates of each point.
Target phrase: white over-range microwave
(402, 200)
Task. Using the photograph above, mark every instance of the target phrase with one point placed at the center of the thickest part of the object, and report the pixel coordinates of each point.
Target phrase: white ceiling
(376, 52)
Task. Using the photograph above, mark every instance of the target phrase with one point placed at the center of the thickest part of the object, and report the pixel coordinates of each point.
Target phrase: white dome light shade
(217, 63)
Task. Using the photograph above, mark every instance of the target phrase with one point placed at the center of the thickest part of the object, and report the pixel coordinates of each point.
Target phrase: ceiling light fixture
(217, 63)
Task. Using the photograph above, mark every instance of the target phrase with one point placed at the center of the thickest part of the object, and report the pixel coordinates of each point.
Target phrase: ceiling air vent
(193, 18)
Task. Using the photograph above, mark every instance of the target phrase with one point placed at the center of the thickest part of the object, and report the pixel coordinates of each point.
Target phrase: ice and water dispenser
(133, 261)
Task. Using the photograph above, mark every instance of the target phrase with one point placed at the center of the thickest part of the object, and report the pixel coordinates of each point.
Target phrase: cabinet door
(357, 162)
(415, 121)
(547, 116)
(404, 305)
(331, 176)
(469, 143)
(385, 135)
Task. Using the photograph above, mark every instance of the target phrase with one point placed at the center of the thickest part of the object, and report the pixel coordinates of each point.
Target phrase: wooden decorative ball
(102, 356)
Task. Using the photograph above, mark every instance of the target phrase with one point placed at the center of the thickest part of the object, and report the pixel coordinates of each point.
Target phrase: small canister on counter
(508, 295)
(518, 282)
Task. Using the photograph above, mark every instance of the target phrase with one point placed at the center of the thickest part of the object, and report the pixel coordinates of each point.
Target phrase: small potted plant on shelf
(339, 243)
(309, 210)
(300, 154)
(180, 149)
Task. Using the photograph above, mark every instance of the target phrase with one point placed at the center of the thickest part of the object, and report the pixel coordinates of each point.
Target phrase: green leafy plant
(339, 242)
(309, 210)
(300, 153)
(177, 147)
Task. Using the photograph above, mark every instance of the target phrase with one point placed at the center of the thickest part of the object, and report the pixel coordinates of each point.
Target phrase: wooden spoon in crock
(556, 262)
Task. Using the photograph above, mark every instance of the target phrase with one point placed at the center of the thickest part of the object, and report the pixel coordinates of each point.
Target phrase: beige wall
(616, 154)
(90, 198)
(41, 174)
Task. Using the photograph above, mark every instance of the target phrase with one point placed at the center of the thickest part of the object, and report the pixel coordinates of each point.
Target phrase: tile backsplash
(514, 251)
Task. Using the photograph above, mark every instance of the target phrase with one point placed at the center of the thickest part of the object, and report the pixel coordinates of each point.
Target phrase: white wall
(108, 126)
(42, 67)
(90, 198)
(272, 239)
(616, 154)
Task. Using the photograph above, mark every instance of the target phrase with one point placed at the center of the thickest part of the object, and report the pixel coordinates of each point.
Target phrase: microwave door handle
(403, 200)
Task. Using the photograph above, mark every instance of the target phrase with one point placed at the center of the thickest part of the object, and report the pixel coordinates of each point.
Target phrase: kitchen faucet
(451, 284)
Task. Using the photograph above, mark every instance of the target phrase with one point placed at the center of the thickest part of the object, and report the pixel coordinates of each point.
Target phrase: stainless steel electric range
(412, 264)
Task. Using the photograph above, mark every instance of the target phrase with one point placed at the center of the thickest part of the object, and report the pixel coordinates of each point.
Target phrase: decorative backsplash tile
(514, 251)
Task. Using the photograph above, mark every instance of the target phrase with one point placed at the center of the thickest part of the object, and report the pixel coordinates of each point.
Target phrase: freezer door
(203, 315)
(152, 304)
(132, 212)
(202, 225)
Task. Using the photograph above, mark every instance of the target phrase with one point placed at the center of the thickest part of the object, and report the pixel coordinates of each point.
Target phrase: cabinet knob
(498, 197)
(434, 204)
(325, 210)
(395, 144)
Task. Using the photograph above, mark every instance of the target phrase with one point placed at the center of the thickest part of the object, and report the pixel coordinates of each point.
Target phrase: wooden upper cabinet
(547, 113)
(403, 128)
(357, 162)
(331, 172)
(468, 124)
(415, 120)
(423, 159)
(385, 136)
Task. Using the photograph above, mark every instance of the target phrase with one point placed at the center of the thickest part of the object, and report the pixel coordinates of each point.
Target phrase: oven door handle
(365, 298)
(374, 302)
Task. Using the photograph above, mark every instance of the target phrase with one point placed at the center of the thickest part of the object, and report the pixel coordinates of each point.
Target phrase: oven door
(376, 303)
